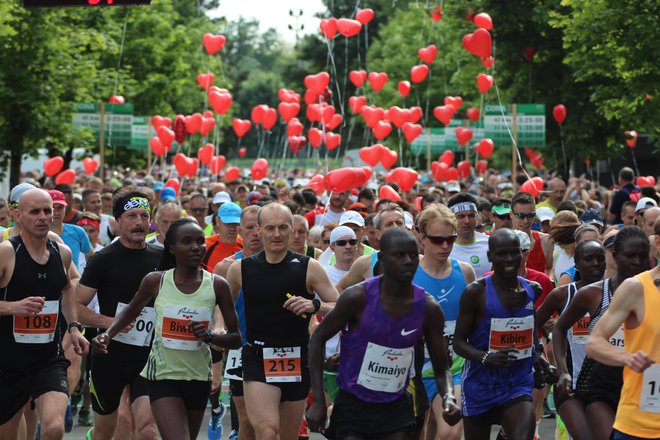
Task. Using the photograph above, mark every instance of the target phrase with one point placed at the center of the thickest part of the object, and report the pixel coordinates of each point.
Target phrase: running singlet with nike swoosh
(377, 354)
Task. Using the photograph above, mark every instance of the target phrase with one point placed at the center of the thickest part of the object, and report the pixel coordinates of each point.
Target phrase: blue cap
(167, 194)
(592, 216)
(230, 213)
(158, 185)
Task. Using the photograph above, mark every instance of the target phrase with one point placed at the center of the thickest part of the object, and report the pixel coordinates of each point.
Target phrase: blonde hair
(436, 211)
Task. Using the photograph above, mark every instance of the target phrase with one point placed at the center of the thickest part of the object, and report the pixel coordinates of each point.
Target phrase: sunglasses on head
(342, 243)
(439, 239)
(523, 216)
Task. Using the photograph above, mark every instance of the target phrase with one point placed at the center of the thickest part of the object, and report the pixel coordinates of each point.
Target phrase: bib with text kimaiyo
(385, 369)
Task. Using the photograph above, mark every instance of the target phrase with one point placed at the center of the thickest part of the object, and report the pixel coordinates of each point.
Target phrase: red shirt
(536, 259)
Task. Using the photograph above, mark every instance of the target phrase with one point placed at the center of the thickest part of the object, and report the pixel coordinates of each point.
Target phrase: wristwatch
(317, 304)
(75, 324)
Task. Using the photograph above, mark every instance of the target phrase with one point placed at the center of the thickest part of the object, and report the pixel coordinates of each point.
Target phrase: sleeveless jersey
(27, 341)
(488, 386)
(536, 259)
(638, 413)
(239, 305)
(377, 354)
(577, 336)
(176, 353)
(265, 289)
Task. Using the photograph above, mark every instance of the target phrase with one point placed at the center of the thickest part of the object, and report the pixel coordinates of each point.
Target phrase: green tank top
(177, 354)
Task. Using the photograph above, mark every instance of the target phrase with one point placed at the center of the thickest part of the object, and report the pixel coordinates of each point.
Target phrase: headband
(609, 241)
(463, 206)
(85, 221)
(137, 202)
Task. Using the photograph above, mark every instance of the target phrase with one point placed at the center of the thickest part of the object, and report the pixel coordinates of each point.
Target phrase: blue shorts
(432, 388)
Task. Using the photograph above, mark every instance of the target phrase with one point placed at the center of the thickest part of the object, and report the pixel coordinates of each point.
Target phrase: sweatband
(89, 222)
(463, 206)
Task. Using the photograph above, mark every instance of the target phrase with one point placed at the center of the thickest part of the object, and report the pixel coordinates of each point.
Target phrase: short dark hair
(89, 191)
(461, 198)
(522, 198)
(567, 205)
(309, 197)
(392, 234)
(628, 233)
(64, 188)
(626, 174)
(366, 193)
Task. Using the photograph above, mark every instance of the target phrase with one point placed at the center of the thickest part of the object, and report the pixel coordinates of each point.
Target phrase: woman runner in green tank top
(179, 365)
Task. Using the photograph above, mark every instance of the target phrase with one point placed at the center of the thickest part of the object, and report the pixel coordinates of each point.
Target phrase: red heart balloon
(356, 103)
(174, 184)
(482, 166)
(289, 96)
(388, 158)
(159, 121)
(439, 169)
(387, 192)
(315, 137)
(316, 183)
(205, 154)
(207, 125)
(415, 114)
(651, 180)
(348, 27)
(327, 112)
(364, 16)
(538, 182)
(643, 181)
(454, 101)
(484, 82)
(332, 140)
(232, 173)
(213, 43)
(257, 114)
(530, 188)
(166, 136)
(288, 110)
(241, 127)
(472, 114)
(404, 88)
(428, 53)
(194, 123)
(90, 165)
(378, 80)
(382, 130)
(371, 155)
(259, 169)
(242, 152)
(157, 146)
(398, 116)
(179, 128)
(294, 127)
(404, 177)
(66, 177)
(559, 113)
(372, 115)
(221, 102)
(447, 157)
(412, 131)
(297, 143)
(631, 137)
(313, 112)
(317, 82)
(485, 148)
(357, 77)
(334, 122)
(419, 73)
(205, 80)
(340, 180)
(368, 172)
(463, 135)
(217, 164)
(329, 27)
(444, 113)
(478, 43)
(116, 99)
(463, 168)
(483, 21)
(270, 118)
(451, 173)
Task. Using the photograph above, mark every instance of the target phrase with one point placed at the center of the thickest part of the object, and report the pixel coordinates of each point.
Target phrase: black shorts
(352, 416)
(109, 378)
(194, 393)
(605, 383)
(253, 370)
(217, 356)
(20, 386)
(236, 387)
(494, 416)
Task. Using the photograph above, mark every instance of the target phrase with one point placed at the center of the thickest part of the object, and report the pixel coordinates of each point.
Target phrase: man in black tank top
(277, 285)
(115, 273)
(37, 296)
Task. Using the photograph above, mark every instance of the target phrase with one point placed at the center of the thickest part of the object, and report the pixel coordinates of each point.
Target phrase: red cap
(58, 197)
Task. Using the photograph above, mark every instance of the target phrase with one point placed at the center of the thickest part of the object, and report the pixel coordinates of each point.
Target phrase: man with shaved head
(38, 295)
(278, 287)
(557, 191)
(495, 333)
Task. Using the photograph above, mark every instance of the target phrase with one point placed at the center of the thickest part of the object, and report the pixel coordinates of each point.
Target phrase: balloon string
(563, 149)
(634, 158)
(116, 86)
(481, 118)
(334, 70)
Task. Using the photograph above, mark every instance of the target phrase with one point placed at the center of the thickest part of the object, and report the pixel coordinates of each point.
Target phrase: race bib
(649, 401)
(617, 338)
(385, 369)
(282, 364)
(140, 334)
(175, 332)
(580, 330)
(515, 333)
(37, 329)
(234, 365)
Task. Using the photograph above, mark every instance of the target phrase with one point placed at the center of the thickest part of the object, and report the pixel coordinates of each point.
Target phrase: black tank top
(265, 288)
(32, 279)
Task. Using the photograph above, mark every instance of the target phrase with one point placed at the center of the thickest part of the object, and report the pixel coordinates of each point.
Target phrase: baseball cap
(351, 217)
(360, 208)
(525, 242)
(645, 202)
(253, 197)
(167, 193)
(230, 213)
(544, 214)
(158, 185)
(339, 232)
(17, 192)
(502, 209)
(453, 186)
(221, 197)
(58, 197)
(591, 216)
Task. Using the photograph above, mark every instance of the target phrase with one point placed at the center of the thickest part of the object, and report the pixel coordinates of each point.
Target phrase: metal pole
(102, 141)
(514, 148)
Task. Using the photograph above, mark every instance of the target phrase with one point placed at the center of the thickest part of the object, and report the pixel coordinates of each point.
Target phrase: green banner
(530, 124)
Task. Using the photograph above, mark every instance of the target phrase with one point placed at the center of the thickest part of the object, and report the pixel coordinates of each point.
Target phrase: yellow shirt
(546, 204)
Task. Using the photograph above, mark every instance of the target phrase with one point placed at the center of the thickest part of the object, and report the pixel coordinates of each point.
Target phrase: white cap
(544, 214)
(351, 217)
(408, 218)
(339, 232)
(453, 186)
(525, 242)
(645, 202)
(221, 197)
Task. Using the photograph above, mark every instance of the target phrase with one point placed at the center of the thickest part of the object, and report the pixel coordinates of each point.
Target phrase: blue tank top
(488, 383)
(374, 262)
(239, 305)
(377, 355)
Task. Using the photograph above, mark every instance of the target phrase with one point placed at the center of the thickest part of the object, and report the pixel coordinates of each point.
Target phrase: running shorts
(253, 370)
(194, 393)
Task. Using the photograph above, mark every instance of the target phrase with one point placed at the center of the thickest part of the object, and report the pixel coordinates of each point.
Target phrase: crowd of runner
(455, 308)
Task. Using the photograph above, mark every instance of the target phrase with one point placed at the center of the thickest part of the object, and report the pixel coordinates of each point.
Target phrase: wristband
(485, 356)
(448, 396)
(208, 336)
(75, 324)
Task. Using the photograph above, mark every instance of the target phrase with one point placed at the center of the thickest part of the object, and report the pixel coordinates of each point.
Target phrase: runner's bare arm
(25, 307)
(78, 341)
(223, 266)
(548, 248)
(471, 302)
(147, 291)
(359, 272)
(625, 308)
(234, 279)
(318, 281)
(554, 302)
(468, 272)
(232, 337)
(84, 296)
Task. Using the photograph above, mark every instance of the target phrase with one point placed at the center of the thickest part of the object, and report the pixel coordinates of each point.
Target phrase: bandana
(89, 222)
(463, 206)
(137, 202)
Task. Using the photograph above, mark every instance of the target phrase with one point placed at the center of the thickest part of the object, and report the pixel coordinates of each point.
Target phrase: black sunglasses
(342, 243)
(504, 216)
(326, 241)
(523, 216)
(439, 239)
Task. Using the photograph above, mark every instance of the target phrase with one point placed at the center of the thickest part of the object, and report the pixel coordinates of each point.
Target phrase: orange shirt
(216, 251)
